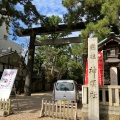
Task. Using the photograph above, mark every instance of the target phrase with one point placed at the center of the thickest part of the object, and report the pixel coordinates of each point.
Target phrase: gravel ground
(29, 107)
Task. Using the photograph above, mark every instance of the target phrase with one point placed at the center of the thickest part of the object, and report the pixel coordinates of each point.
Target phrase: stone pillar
(93, 87)
(113, 80)
(113, 76)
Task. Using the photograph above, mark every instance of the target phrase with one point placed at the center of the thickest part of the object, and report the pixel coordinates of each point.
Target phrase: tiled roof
(6, 53)
(111, 35)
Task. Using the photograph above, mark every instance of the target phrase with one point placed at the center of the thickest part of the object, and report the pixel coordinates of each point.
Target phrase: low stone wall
(104, 117)
(106, 112)
(109, 101)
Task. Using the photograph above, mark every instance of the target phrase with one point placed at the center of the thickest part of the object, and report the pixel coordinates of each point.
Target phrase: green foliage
(52, 22)
(38, 60)
(106, 75)
(60, 59)
(100, 16)
(10, 15)
(75, 71)
(49, 77)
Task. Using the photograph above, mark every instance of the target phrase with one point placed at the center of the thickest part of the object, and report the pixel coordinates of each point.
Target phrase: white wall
(3, 32)
(7, 43)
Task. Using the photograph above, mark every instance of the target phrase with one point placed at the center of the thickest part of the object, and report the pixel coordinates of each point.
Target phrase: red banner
(86, 72)
(100, 69)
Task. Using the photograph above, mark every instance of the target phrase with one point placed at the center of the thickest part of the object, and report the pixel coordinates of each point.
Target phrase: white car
(65, 92)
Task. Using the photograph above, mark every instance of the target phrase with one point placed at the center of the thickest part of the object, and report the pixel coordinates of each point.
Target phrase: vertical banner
(100, 69)
(93, 86)
(86, 72)
(6, 82)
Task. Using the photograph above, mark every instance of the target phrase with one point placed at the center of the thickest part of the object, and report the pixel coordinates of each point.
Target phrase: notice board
(6, 82)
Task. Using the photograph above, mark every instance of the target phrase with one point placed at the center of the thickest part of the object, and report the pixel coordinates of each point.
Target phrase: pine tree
(100, 16)
(11, 15)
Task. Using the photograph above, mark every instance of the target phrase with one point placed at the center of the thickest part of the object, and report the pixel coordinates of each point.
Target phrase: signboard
(93, 86)
(6, 82)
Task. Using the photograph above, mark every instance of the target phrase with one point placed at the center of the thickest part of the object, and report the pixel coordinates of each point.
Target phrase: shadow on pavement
(28, 103)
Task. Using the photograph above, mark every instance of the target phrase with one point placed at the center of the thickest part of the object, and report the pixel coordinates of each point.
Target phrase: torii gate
(32, 32)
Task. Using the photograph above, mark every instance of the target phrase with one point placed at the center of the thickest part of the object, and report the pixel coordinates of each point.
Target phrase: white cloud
(74, 34)
(47, 7)
(50, 7)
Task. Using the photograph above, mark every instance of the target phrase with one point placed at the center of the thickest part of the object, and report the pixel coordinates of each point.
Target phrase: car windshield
(64, 86)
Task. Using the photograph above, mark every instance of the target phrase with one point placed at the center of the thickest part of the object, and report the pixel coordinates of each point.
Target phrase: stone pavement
(29, 107)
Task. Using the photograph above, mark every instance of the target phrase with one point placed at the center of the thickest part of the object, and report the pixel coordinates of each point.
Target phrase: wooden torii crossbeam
(45, 30)
(32, 32)
(58, 41)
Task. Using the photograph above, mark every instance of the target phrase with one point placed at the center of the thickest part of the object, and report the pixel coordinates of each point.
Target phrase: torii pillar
(31, 50)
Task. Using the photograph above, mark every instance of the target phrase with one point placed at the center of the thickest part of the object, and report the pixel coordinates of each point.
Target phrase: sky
(48, 8)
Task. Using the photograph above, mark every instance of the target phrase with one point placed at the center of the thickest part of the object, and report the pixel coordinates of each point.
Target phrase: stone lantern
(113, 61)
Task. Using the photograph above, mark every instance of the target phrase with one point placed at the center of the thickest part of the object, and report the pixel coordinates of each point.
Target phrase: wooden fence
(61, 111)
(4, 107)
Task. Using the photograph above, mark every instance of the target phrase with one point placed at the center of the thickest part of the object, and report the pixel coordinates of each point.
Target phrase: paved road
(28, 107)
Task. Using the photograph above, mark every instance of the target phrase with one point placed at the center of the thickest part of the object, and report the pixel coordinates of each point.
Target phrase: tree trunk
(28, 80)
